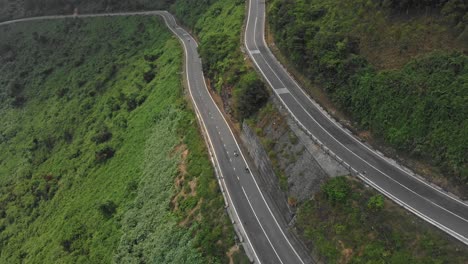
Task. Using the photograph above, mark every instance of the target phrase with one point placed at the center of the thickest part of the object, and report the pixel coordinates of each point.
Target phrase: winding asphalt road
(264, 235)
(428, 202)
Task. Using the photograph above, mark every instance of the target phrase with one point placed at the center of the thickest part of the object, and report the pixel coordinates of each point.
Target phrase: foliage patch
(349, 223)
(87, 163)
(394, 66)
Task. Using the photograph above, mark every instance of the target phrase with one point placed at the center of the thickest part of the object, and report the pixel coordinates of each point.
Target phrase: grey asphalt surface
(428, 202)
(264, 233)
(266, 237)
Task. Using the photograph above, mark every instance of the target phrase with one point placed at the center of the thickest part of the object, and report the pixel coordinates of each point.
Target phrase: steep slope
(101, 160)
(218, 26)
(28, 8)
(339, 219)
(398, 71)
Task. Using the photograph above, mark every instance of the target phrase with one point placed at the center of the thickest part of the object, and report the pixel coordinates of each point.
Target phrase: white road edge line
(335, 123)
(269, 209)
(350, 151)
(211, 143)
(240, 150)
(442, 227)
(159, 13)
(258, 220)
(276, 221)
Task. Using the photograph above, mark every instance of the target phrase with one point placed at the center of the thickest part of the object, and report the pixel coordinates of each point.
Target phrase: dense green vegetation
(348, 223)
(101, 160)
(26, 8)
(218, 28)
(454, 11)
(217, 24)
(400, 74)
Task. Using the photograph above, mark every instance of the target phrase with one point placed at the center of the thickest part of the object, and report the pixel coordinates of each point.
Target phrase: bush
(250, 96)
(15, 89)
(376, 203)
(215, 48)
(108, 208)
(104, 154)
(337, 190)
(102, 136)
(18, 101)
(149, 76)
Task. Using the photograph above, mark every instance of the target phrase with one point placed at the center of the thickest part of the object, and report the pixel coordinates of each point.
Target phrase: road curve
(265, 237)
(399, 184)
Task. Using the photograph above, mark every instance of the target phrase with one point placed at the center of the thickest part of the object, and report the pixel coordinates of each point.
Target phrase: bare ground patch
(233, 250)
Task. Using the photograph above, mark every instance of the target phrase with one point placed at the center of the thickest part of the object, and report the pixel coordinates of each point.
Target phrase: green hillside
(398, 68)
(101, 158)
(218, 25)
(332, 224)
(27, 8)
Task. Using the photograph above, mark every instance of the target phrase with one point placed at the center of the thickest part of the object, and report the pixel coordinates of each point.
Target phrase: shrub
(149, 76)
(108, 208)
(68, 136)
(250, 96)
(337, 190)
(18, 101)
(15, 89)
(376, 203)
(104, 154)
(102, 136)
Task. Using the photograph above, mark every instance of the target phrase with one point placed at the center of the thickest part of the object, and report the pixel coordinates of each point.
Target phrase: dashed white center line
(261, 226)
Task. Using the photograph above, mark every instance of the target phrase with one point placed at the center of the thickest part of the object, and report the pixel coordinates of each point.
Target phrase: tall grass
(92, 114)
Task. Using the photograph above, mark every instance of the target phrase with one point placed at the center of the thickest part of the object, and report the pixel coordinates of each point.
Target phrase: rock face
(270, 182)
(289, 162)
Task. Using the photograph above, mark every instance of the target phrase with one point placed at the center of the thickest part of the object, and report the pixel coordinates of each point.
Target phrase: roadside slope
(115, 142)
(397, 72)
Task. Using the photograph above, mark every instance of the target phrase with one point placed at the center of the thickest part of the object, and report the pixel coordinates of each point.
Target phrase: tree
(250, 96)
(108, 208)
(455, 11)
(104, 154)
(337, 190)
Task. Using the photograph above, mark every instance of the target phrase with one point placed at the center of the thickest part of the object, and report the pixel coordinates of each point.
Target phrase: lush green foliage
(365, 228)
(454, 11)
(189, 12)
(219, 28)
(376, 202)
(250, 95)
(419, 108)
(217, 23)
(337, 190)
(26, 8)
(92, 119)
